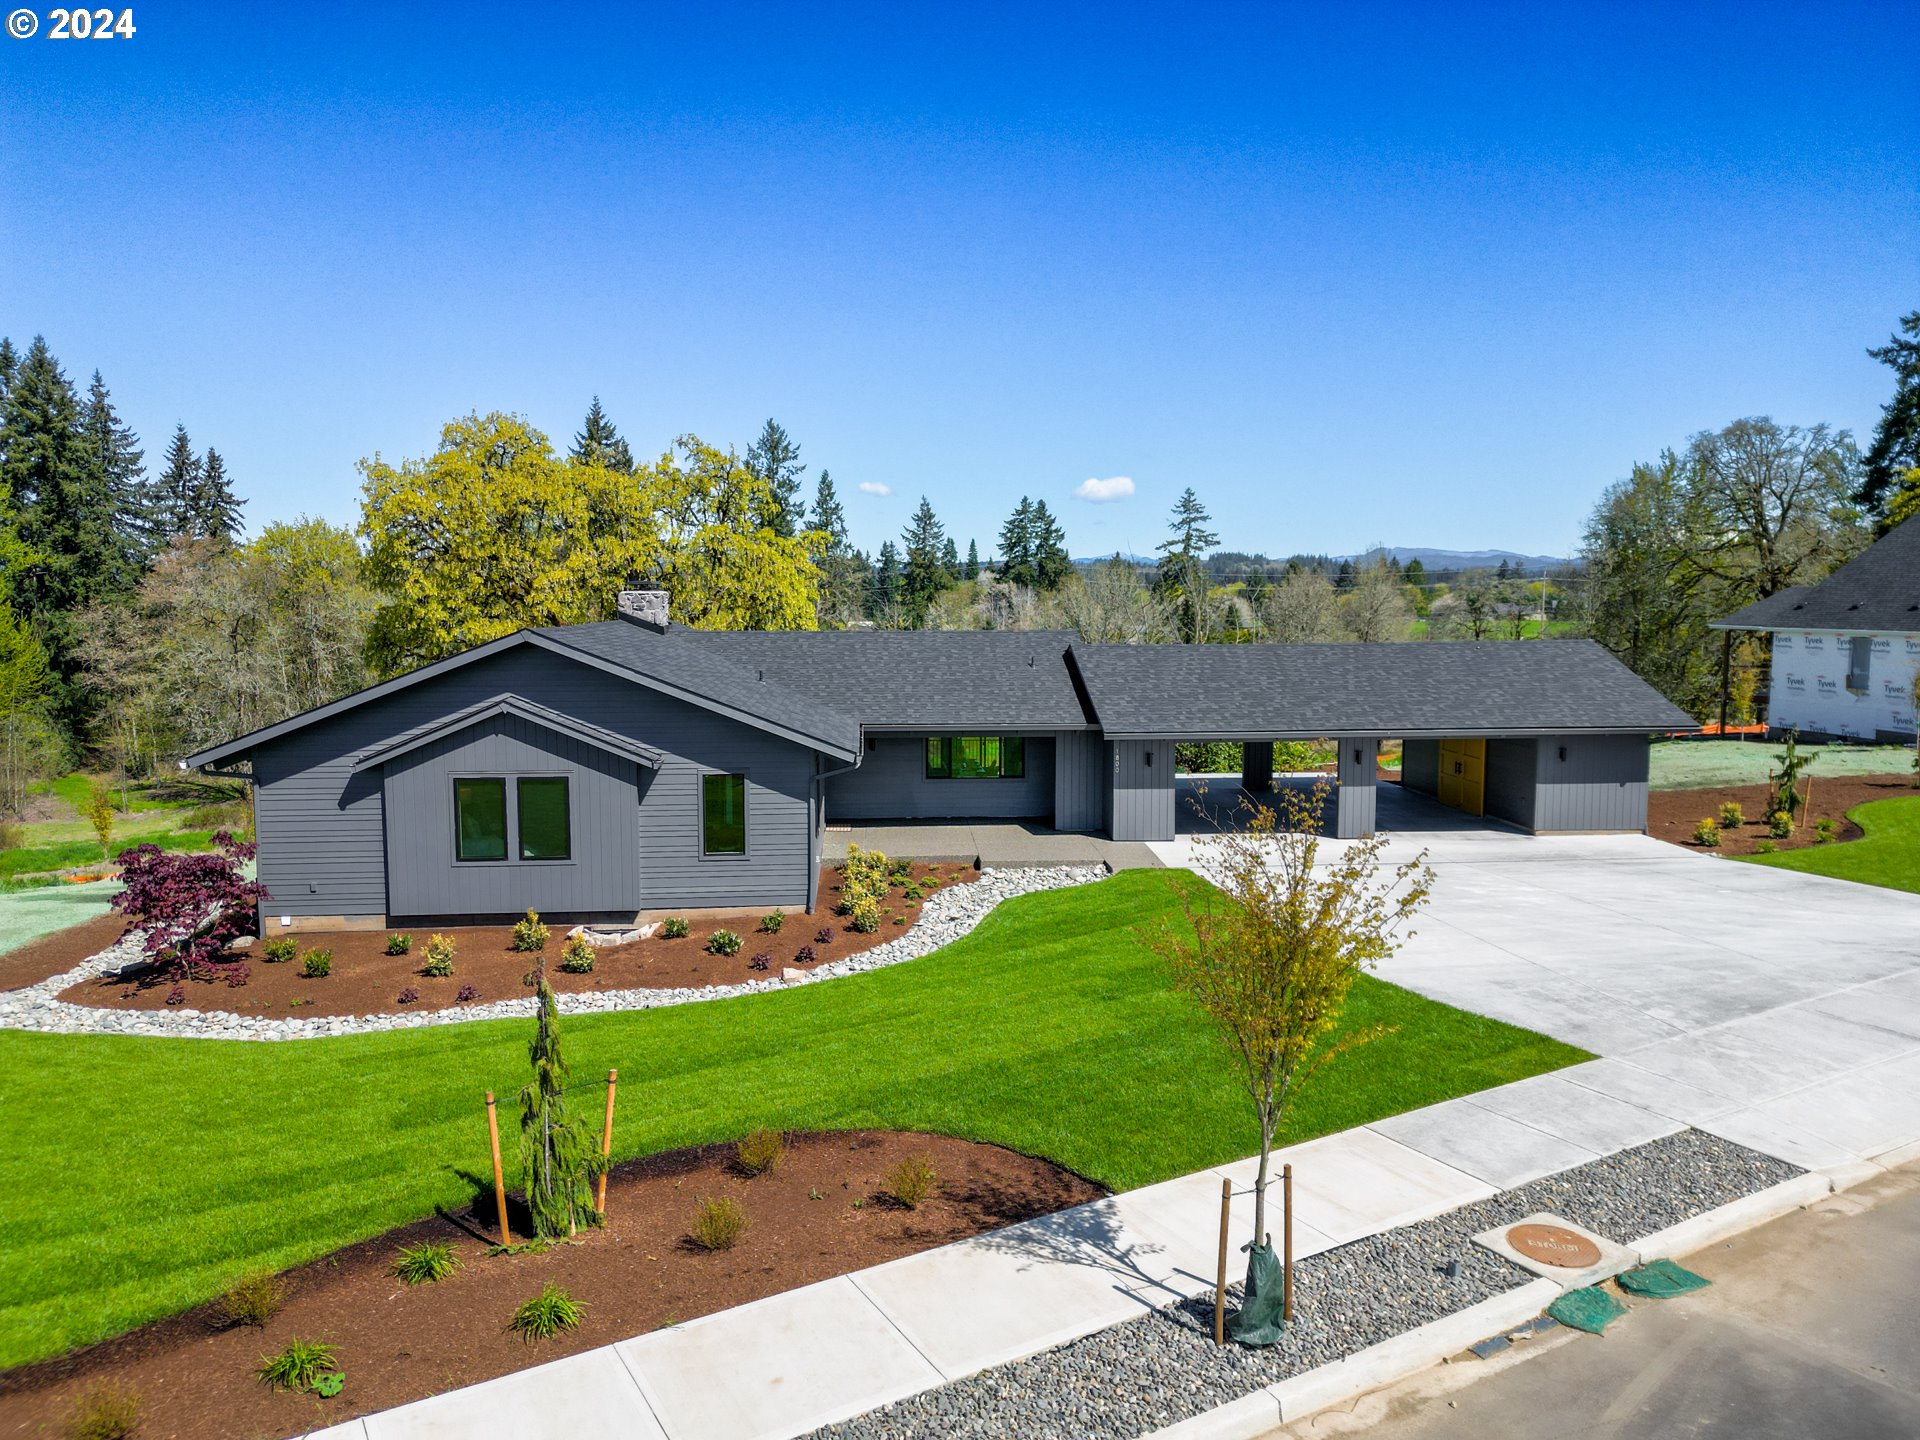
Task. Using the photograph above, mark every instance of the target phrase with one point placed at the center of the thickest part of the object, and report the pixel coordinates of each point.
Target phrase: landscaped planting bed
(60, 951)
(823, 1210)
(1673, 815)
(363, 979)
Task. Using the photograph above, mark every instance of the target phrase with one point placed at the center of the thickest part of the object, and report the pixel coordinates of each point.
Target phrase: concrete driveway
(1777, 1009)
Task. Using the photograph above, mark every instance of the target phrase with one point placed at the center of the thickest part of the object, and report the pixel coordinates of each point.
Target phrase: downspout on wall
(817, 816)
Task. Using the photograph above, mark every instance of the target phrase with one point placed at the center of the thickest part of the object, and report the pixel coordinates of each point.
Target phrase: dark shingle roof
(1461, 687)
(1879, 589)
(926, 679)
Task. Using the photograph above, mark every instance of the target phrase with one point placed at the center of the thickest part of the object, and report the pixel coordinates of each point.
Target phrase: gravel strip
(1136, 1377)
(944, 917)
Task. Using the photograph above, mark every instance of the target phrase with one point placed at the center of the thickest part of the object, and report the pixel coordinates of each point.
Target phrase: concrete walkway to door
(991, 844)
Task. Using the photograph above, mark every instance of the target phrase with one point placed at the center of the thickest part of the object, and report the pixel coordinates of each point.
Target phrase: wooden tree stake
(1220, 1281)
(606, 1141)
(1286, 1226)
(499, 1181)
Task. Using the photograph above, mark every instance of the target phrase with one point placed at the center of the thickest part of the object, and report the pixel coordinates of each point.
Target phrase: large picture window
(545, 829)
(480, 819)
(723, 814)
(976, 757)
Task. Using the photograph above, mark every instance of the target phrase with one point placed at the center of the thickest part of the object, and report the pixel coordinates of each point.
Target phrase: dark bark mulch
(1673, 814)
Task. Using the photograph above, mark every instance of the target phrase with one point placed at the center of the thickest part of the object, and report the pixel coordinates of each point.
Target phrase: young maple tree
(1271, 949)
(189, 908)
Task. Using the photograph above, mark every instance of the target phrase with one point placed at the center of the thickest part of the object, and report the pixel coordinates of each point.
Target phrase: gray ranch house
(597, 771)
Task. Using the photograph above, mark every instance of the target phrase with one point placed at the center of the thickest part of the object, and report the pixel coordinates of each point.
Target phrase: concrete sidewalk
(1778, 1010)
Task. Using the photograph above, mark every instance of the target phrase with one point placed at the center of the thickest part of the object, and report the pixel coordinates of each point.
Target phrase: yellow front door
(1463, 775)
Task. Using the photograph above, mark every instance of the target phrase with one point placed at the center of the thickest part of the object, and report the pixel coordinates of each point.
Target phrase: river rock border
(947, 915)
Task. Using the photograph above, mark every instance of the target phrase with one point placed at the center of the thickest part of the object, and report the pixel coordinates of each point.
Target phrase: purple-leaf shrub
(189, 907)
(467, 992)
(408, 995)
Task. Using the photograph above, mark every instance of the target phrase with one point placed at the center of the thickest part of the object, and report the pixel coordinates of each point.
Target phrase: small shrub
(316, 964)
(236, 974)
(1824, 831)
(299, 1367)
(1732, 816)
(723, 942)
(529, 935)
(929, 882)
(823, 936)
(760, 1152)
(1780, 824)
(770, 924)
(804, 955)
(253, 1299)
(177, 995)
(674, 928)
(547, 1314)
(466, 993)
(407, 996)
(279, 950)
(576, 956)
(866, 917)
(426, 1262)
(13, 834)
(1765, 847)
(399, 944)
(912, 1181)
(899, 872)
(719, 1224)
(439, 957)
(105, 1412)
(1706, 833)
(762, 961)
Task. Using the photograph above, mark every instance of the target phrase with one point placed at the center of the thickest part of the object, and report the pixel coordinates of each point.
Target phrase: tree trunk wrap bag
(1260, 1320)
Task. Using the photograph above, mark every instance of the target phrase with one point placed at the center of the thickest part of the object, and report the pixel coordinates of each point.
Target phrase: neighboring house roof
(1879, 589)
(593, 735)
(920, 679)
(1452, 688)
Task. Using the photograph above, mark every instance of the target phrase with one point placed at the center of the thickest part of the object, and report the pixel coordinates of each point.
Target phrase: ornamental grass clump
(912, 1182)
(427, 1262)
(300, 1367)
(719, 1223)
(547, 1314)
(529, 935)
(559, 1154)
(105, 1412)
(576, 956)
(439, 962)
(253, 1299)
(759, 1152)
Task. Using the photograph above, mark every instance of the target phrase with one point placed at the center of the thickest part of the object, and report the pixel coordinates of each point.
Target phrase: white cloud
(1101, 492)
(874, 487)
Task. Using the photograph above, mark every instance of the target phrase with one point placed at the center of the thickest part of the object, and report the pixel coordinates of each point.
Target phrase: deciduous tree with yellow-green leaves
(495, 532)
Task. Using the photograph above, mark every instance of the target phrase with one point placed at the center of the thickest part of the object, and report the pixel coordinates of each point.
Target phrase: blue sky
(1430, 275)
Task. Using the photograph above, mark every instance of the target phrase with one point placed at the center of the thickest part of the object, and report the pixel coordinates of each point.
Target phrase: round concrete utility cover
(1554, 1245)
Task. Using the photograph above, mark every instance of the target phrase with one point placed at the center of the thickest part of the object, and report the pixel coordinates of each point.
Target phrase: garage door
(1463, 775)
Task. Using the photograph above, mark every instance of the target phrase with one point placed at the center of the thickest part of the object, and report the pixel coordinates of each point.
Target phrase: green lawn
(1888, 854)
(30, 858)
(1704, 764)
(146, 1174)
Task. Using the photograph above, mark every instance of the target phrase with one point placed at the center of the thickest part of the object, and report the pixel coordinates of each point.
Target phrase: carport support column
(1353, 800)
(1256, 766)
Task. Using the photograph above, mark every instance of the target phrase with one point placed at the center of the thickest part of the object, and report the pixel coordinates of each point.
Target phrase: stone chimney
(649, 607)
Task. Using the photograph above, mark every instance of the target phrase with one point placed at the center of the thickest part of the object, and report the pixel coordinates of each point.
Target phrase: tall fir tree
(1895, 448)
(177, 486)
(1051, 565)
(598, 443)
(925, 576)
(216, 509)
(950, 559)
(114, 454)
(1016, 546)
(9, 362)
(843, 571)
(973, 560)
(775, 459)
(1182, 576)
(883, 591)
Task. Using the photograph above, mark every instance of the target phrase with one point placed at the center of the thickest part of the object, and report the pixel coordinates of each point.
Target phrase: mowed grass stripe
(147, 1174)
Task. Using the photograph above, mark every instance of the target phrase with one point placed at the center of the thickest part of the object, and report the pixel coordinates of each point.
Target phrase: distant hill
(1467, 559)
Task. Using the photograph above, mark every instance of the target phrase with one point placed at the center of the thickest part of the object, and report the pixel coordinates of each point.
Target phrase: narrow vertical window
(938, 765)
(1859, 663)
(723, 814)
(480, 819)
(545, 828)
(1013, 757)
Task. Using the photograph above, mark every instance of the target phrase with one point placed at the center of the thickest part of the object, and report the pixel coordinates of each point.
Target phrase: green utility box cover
(1662, 1279)
(1591, 1309)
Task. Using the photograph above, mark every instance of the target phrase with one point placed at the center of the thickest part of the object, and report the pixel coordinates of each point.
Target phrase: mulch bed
(34, 961)
(398, 1343)
(365, 980)
(1673, 814)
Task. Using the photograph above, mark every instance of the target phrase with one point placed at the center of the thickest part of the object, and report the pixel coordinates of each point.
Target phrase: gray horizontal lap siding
(891, 784)
(322, 833)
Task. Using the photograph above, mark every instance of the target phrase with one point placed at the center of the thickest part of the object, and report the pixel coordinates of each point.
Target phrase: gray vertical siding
(891, 784)
(1420, 766)
(1079, 781)
(1511, 766)
(1142, 807)
(423, 875)
(1601, 785)
(325, 834)
(1354, 800)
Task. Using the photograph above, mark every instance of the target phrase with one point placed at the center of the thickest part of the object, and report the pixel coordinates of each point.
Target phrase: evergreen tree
(177, 486)
(559, 1154)
(843, 570)
(973, 560)
(1016, 546)
(775, 460)
(1182, 576)
(216, 510)
(1051, 564)
(114, 454)
(950, 559)
(1896, 438)
(883, 593)
(925, 575)
(9, 363)
(599, 443)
